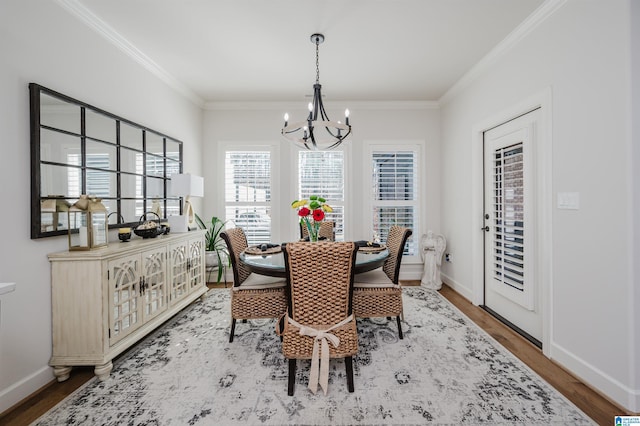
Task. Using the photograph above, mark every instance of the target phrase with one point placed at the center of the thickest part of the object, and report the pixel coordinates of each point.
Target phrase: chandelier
(318, 132)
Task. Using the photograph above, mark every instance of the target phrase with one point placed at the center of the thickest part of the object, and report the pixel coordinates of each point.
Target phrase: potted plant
(216, 254)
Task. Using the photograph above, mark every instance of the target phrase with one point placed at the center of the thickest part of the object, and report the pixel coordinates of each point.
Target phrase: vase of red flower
(311, 213)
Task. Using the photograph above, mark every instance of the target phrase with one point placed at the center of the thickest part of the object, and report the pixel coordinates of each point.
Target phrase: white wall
(372, 123)
(42, 43)
(582, 53)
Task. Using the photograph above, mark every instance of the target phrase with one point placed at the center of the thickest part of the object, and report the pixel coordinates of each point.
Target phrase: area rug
(446, 370)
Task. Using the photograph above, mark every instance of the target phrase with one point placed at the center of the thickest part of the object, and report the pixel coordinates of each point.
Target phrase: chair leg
(348, 362)
(292, 376)
(233, 329)
(399, 327)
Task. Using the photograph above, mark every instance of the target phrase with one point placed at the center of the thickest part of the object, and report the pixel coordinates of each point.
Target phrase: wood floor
(598, 408)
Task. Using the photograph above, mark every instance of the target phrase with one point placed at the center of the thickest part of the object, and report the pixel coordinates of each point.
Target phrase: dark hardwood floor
(593, 404)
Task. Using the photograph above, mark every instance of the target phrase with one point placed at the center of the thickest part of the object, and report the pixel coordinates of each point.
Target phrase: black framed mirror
(79, 149)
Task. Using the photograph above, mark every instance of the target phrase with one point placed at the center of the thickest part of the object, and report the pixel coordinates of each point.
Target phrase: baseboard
(596, 379)
(457, 287)
(16, 392)
(411, 271)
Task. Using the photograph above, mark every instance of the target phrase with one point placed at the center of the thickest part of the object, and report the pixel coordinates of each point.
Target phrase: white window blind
(508, 210)
(395, 181)
(248, 193)
(322, 173)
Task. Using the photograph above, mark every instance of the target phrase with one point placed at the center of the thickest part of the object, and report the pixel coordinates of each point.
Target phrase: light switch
(569, 200)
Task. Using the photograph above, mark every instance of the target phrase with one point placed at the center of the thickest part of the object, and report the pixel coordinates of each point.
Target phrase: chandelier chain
(317, 61)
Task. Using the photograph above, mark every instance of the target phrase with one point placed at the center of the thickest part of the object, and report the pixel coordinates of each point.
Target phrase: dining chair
(378, 293)
(327, 230)
(319, 322)
(253, 296)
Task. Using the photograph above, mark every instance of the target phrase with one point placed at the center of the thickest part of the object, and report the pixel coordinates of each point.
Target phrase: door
(124, 297)
(511, 290)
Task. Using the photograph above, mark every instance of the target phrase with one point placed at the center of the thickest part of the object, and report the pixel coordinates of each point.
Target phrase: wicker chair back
(319, 281)
(236, 242)
(396, 240)
(327, 230)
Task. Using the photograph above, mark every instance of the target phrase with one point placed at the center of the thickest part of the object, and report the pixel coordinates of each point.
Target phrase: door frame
(543, 210)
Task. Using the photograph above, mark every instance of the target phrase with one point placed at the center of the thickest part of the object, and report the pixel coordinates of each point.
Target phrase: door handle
(485, 228)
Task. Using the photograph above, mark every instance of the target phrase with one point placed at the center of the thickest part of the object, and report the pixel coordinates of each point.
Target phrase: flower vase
(312, 228)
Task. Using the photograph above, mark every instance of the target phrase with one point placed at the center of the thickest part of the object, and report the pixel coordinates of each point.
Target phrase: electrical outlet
(447, 257)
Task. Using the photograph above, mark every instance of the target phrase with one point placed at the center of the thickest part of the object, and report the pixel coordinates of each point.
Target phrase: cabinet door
(178, 271)
(124, 297)
(154, 282)
(196, 263)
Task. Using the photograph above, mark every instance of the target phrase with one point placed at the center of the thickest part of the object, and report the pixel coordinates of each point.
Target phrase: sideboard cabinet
(106, 300)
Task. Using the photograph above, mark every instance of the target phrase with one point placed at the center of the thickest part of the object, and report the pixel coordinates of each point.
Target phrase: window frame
(416, 204)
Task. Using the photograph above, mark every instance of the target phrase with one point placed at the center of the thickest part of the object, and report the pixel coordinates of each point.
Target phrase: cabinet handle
(141, 286)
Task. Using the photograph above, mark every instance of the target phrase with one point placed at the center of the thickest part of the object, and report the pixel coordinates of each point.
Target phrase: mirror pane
(130, 136)
(155, 144)
(99, 126)
(59, 147)
(130, 186)
(101, 155)
(130, 161)
(59, 181)
(112, 207)
(131, 210)
(101, 183)
(155, 188)
(173, 167)
(53, 215)
(59, 114)
(155, 165)
(173, 149)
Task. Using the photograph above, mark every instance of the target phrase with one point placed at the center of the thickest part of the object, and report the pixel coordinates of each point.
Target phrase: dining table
(271, 262)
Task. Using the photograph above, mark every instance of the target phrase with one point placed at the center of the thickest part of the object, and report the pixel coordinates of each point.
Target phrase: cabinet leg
(61, 372)
(103, 371)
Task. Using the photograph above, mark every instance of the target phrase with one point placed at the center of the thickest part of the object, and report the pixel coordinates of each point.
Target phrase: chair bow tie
(320, 358)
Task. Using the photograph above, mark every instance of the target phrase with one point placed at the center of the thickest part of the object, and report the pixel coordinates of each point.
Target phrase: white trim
(540, 15)
(463, 290)
(595, 378)
(112, 36)
(544, 201)
(292, 106)
(28, 385)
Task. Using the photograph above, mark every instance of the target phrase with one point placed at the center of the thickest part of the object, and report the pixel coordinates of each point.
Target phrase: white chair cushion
(260, 282)
(373, 279)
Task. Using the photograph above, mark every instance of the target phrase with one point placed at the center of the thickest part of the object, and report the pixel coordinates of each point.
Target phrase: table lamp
(186, 185)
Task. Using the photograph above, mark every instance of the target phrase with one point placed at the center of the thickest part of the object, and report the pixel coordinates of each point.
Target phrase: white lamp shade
(183, 185)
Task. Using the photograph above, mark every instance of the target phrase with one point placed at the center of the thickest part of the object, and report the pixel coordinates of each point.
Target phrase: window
(395, 178)
(248, 193)
(322, 173)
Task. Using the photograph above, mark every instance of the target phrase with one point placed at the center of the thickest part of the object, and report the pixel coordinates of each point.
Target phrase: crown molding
(541, 14)
(111, 35)
(353, 105)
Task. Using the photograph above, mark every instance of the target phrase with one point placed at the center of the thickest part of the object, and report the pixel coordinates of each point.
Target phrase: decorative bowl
(148, 232)
(124, 236)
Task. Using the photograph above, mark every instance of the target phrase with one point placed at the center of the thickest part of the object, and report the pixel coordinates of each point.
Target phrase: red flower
(318, 215)
(304, 212)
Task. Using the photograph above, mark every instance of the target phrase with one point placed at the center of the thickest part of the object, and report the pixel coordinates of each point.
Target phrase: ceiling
(256, 50)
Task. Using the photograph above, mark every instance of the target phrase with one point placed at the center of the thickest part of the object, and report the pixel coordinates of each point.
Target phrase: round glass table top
(273, 264)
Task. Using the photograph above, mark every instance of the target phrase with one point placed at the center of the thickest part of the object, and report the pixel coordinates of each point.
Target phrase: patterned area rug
(445, 371)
